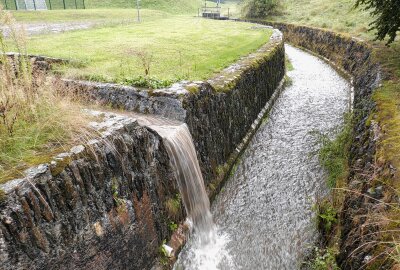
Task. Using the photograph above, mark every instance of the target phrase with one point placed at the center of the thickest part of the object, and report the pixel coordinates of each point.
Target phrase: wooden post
(65, 7)
(76, 5)
(34, 4)
(84, 6)
(16, 6)
(50, 5)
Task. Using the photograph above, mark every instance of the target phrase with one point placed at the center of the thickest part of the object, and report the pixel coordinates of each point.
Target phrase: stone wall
(100, 206)
(210, 108)
(356, 59)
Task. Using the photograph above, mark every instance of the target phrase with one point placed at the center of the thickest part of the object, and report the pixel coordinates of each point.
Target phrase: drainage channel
(263, 215)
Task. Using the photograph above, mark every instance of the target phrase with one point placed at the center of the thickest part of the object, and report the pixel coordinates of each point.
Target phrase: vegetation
(260, 8)
(342, 16)
(334, 153)
(99, 16)
(109, 55)
(326, 217)
(171, 6)
(324, 259)
(387, 17)
(173, 206)
(38, 117)
(338, 15)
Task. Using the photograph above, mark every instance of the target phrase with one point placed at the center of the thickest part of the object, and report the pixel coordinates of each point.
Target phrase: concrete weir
(107, 204)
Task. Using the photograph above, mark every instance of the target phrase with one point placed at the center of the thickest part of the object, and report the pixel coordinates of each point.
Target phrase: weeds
(38, 117)
(173, 206)
(145, 58)
(333, 154)
(324, 259)
(326, 217)
(172, 226)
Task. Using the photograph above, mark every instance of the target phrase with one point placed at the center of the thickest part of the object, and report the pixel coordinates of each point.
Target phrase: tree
(387, 17)
(260, 8)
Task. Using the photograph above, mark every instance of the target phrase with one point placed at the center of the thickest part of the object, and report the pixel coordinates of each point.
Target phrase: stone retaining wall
(210, 108)
(103, 205)
(356, 59)
(100, 206)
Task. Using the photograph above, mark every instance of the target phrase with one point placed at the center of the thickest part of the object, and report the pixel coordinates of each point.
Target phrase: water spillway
(264, 213)
(182, 153)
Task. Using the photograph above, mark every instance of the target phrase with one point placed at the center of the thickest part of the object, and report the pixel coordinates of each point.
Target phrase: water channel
(263, 215)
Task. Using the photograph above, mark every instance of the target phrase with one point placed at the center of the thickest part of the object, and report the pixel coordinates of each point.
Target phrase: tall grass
(38, 117)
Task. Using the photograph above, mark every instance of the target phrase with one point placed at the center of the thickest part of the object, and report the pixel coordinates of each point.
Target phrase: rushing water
(182, 153)
(263, 214)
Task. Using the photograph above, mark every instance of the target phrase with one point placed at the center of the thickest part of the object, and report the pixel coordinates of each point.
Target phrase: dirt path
(42, 28)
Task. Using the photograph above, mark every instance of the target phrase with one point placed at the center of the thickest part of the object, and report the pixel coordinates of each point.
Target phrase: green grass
(182, 47)
(86, 15)
(338, 15)
(171, 6)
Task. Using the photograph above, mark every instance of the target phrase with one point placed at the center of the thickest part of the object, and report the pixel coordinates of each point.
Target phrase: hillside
(172, 6)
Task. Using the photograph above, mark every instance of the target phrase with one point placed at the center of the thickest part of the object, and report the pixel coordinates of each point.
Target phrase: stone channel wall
(103, 204)
(219, 112)
(100, 206)
(356, 59)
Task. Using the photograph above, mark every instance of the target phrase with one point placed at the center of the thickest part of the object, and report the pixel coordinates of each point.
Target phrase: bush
(260, 8)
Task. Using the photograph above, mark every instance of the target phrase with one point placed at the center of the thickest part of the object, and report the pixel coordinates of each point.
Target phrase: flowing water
(263, 216)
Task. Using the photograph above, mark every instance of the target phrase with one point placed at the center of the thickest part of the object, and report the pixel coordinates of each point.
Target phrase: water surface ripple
(265, 208)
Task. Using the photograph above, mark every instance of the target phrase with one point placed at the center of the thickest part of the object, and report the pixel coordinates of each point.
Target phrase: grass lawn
(171, 6)
(181, 47)
(85, 15)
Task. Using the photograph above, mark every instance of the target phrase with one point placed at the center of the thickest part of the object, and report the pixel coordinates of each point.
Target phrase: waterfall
(182, 153)
(208, 245)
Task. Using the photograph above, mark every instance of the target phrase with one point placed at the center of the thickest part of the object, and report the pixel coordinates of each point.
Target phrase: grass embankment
(174, 48)
(339, 15)
(38, 118)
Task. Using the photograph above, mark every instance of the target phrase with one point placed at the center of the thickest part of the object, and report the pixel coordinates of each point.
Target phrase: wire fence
(42, 4)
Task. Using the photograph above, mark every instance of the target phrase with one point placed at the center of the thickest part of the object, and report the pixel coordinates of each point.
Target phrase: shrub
(260, 8)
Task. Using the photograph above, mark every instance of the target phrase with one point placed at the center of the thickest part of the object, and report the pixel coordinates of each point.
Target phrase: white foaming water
(207, 244)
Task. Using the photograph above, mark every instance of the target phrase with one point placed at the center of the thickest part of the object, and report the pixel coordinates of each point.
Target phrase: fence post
(64, 4)
(50, 4)
(16, 6)
(76, 5)
(34, 4)
(84, 7)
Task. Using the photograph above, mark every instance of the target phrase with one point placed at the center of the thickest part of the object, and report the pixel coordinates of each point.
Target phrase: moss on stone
(192, 88)
(3, 197)
(60, 166)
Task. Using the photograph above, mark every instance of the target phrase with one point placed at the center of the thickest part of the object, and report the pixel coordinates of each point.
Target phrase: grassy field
(180, 47)
(171, 6)
(87, 15)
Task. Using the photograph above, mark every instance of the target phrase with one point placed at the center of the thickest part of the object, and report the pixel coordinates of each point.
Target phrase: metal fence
(42, 4)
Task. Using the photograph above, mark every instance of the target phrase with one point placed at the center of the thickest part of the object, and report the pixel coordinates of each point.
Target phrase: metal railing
(51, 4)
